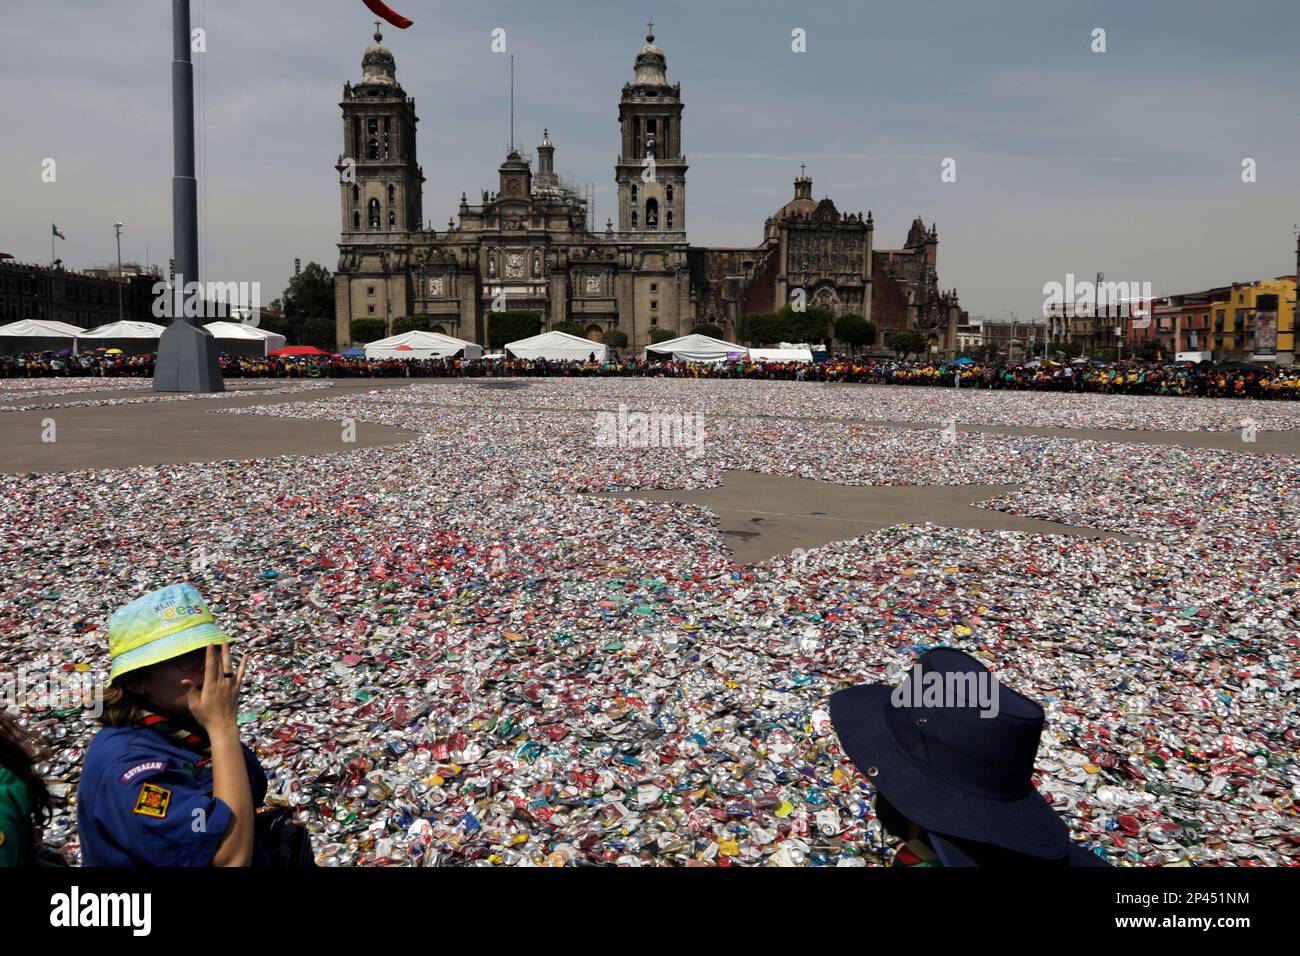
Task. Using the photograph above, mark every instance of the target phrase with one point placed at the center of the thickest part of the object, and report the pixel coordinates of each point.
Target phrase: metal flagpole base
(187, 360)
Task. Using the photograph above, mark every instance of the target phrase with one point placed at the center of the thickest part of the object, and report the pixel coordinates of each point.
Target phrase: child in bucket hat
(167, 781)
(954, 776)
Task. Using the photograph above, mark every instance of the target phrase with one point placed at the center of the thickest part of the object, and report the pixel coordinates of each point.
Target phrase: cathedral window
(670, 218)
(356, 195)
(634, 195)
(392, 220)
(392, 193)
(633, 218)
(374, 215)
(387, 129)
(670, 193)
(372, 139)
(356, 222)
(651, 213)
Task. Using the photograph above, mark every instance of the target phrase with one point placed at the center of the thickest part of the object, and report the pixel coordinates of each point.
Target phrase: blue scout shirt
(147, 801)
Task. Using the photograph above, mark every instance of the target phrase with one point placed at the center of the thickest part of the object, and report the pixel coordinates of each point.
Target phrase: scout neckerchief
(916, 853)
(188, 739)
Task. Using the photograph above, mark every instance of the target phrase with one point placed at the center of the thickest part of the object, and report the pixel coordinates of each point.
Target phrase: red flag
(381, 9)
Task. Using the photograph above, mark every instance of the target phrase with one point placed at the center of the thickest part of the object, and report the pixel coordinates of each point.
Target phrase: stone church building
(530, 244)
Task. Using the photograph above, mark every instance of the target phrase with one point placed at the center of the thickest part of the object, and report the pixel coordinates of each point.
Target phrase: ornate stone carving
(592, 285)
(514, 265)
(436, 287)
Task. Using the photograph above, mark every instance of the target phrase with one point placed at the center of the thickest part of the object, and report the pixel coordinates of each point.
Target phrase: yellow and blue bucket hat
(166, 623)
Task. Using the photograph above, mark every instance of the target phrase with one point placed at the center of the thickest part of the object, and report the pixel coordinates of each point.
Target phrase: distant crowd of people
(1239, 380)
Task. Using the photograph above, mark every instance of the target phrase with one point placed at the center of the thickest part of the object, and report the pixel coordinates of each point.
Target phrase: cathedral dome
(802, 204)
(651, 65)
(378, 65)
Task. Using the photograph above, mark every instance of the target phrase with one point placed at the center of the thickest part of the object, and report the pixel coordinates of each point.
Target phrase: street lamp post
(117, 226)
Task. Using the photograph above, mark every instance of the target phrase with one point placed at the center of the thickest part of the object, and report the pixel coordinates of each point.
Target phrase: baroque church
(530, 244)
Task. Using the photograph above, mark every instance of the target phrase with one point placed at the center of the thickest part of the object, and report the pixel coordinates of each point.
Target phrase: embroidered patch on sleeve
(153, 801)
(148, 767)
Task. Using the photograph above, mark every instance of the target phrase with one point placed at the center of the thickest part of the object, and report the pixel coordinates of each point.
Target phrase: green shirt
(16, 844)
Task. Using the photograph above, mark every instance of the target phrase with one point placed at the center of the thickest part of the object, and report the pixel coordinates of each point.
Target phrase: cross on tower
(803, 169)
(650, 30)
(378, 36)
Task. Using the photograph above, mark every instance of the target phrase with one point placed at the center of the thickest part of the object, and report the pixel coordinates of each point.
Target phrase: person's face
(166, 685)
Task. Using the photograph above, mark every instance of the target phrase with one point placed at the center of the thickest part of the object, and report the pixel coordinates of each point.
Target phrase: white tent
(781, 355)
(698, 348)
(557, 345)
(37, 335)
(124, 330)
(236, 338)
(418, 344)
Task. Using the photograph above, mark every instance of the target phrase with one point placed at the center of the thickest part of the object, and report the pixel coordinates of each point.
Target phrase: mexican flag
(56, 231)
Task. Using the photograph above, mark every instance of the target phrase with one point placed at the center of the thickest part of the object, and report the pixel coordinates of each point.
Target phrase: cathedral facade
(530, 244)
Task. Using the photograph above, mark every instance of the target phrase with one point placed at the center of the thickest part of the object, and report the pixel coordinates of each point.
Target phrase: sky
(1068, 161)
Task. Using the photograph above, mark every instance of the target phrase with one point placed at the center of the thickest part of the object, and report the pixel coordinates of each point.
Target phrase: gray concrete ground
(760, 515)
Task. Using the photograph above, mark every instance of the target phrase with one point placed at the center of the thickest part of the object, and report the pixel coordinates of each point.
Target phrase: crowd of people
(1236, 380)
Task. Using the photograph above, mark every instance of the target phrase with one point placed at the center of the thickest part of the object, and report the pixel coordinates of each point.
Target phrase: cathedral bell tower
(651, 170)
(380, 182)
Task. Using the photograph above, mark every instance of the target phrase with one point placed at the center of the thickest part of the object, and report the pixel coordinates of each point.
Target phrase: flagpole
(187, 352)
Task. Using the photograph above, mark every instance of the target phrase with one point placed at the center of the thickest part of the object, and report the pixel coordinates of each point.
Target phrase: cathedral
(530, 244)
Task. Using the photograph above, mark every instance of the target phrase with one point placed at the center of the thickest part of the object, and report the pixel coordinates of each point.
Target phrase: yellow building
(1256, 321)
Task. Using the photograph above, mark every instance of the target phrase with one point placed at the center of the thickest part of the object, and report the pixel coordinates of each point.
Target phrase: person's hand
(216, 704)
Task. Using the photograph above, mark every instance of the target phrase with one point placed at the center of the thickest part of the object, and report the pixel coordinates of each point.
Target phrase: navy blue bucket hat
(959, 768)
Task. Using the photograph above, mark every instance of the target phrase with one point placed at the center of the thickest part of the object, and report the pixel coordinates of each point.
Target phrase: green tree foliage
(571, 328)
(759, 329)
(616, 338)
(412, 323)
(661, 335)
(813, 325)
(855, 331)
(708, 328)
(368, 330)
(308, 308)
(907, 342)
(511, 326)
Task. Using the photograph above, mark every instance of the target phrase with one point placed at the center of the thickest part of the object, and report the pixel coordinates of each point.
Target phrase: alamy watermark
(43, 689)
(652, 429)
(241, 301)
(953, 689)
(1087, 296)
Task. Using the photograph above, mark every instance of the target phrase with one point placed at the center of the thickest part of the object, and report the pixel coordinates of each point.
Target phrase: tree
(412, 323)
(309, 295)
(511, 326)
(759, 329)
(616, 339)
(813, 325)
(658, 335)
(708, 328)
(907, 341)
(367, 330)
(855, 331)
(569, 327)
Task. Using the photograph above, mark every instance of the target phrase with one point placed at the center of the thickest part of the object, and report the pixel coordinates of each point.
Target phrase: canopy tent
(298, 351)
(781, 355)
(698, 348)
(558, 346)
(245, 341)
(133, 338)
(418, 344)
(355, 352)
(37, 335)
